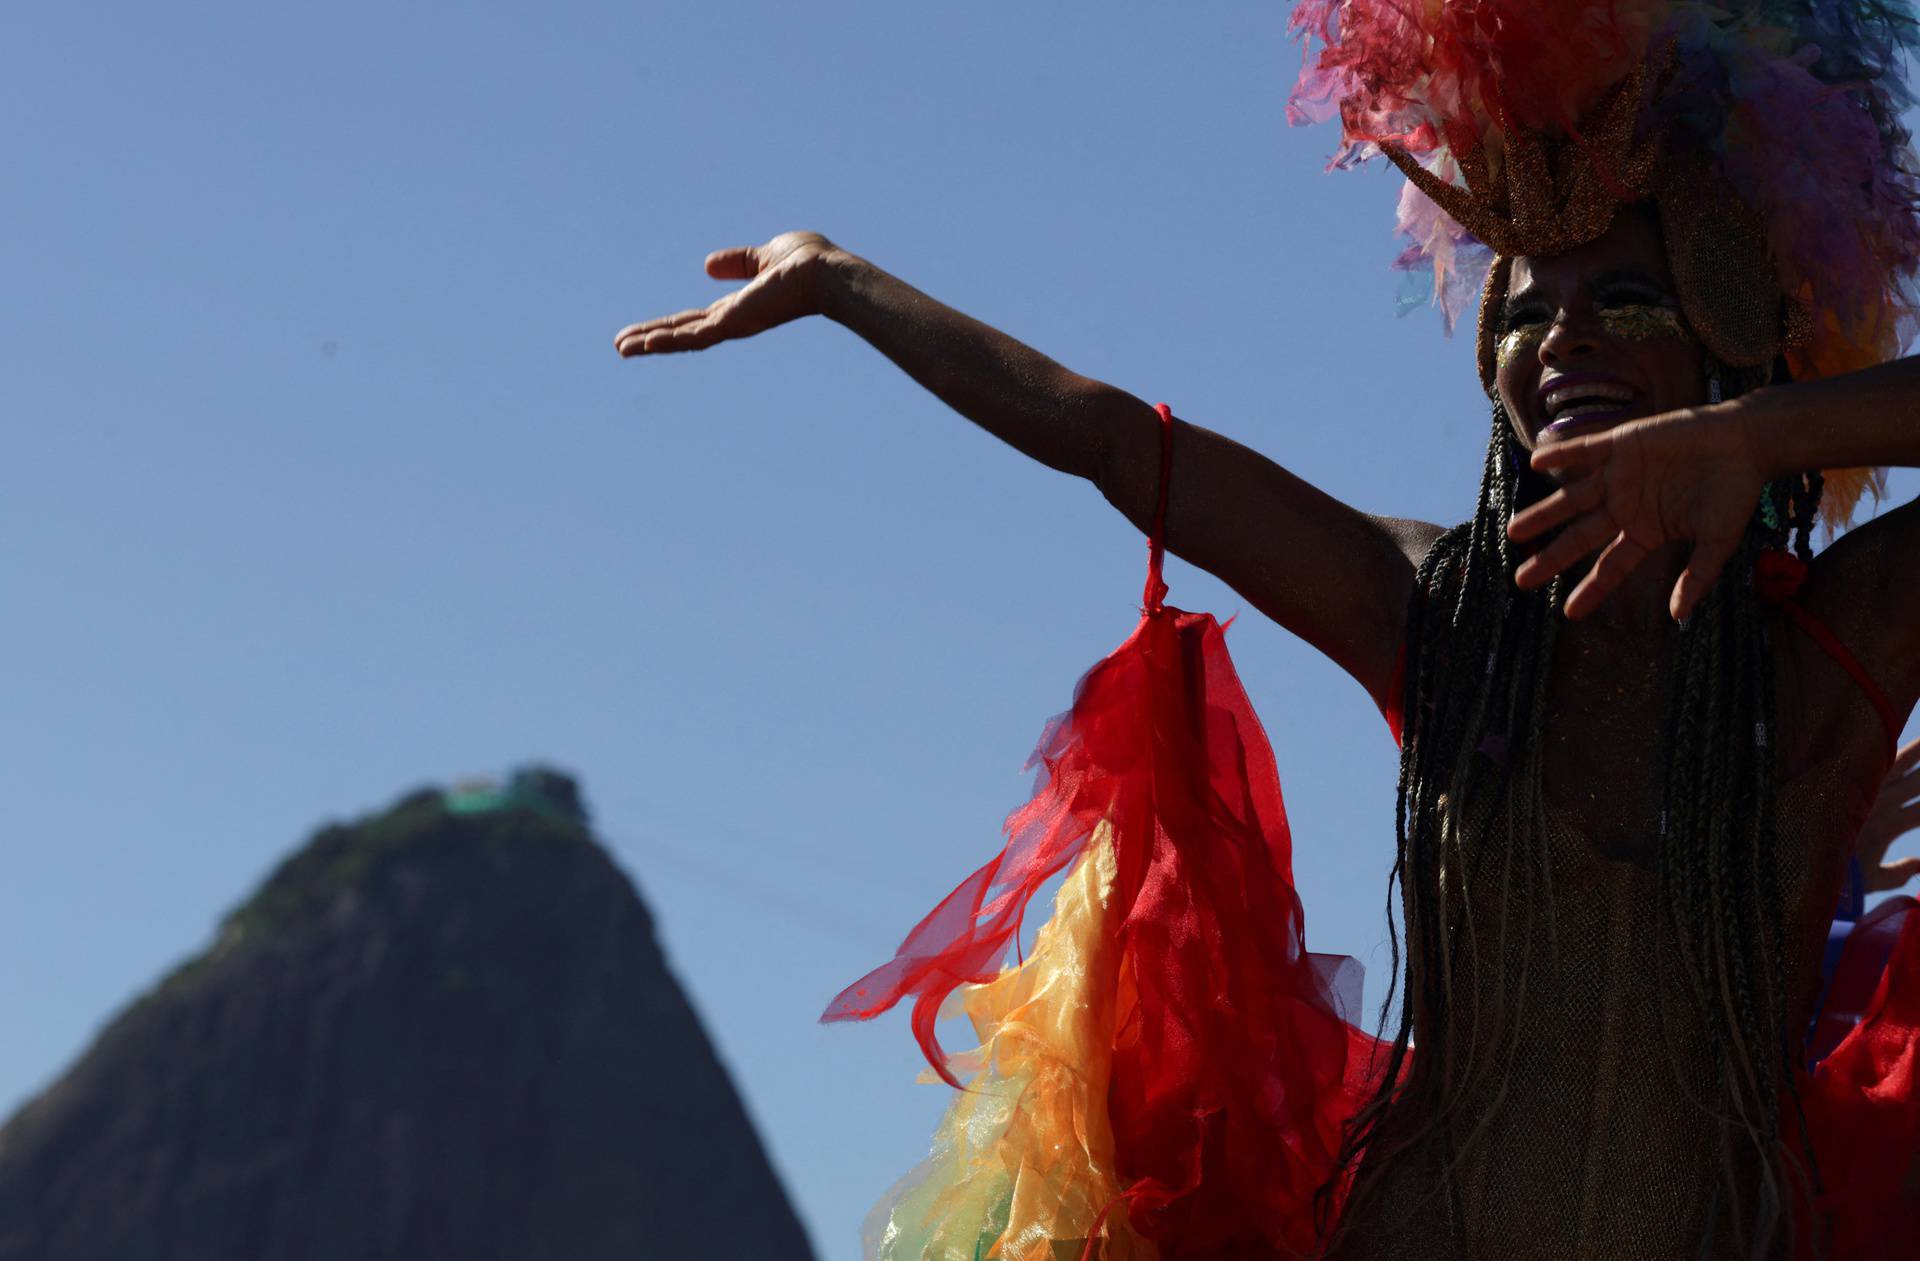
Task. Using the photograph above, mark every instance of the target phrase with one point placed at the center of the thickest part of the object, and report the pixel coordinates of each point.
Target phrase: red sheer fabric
(1234, 1068)
(1863, 1101)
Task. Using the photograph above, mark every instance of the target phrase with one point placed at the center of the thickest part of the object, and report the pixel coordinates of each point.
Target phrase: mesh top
(1594, 1140)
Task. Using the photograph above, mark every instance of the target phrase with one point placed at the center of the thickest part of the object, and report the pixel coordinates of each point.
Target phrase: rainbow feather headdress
(1767, 132)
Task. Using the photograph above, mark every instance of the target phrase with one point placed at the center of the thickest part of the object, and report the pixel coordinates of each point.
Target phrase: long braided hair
(1470, 814)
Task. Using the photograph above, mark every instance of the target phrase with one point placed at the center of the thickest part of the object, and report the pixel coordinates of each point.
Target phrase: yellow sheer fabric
(1022, 1164)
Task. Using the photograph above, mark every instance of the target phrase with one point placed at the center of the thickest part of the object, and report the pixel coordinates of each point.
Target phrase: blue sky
(321, 478)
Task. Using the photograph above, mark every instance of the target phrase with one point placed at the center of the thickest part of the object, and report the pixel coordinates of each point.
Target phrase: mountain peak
(444, 1030)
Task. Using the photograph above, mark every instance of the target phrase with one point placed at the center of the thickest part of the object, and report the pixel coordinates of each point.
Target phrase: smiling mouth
(1592, 414)
(1577, 403)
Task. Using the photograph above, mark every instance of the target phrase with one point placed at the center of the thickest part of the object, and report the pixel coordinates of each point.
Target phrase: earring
(1715, 393)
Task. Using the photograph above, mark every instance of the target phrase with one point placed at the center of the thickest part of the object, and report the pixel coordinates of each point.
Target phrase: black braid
(1478, 654)
(1465, 739)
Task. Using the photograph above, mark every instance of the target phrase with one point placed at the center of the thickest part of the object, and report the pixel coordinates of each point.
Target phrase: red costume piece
(1233, 1068)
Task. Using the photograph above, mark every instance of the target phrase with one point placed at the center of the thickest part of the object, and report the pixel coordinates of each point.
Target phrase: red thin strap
(1830, 642)
(1156, 591)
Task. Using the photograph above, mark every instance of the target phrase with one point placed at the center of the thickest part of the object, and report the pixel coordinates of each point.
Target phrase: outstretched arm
(1337, 577)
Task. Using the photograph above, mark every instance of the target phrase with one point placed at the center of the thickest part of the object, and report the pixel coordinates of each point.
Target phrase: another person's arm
(1337, 577)
(1895, 813)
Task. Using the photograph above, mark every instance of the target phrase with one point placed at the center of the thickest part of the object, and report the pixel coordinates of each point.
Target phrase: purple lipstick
(1577, 400)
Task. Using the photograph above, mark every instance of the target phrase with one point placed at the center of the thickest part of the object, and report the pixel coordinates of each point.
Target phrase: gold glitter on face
(1641, 322)
(1626, 321)
(1521, 341)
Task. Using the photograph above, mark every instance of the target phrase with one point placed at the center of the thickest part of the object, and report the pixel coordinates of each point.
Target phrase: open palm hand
(1688, 476)
(781, 286)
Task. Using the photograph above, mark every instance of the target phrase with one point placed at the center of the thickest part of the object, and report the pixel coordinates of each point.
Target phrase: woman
(1640, 733)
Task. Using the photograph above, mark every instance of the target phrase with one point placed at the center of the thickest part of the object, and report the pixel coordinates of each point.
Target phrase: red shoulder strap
(1830, 644)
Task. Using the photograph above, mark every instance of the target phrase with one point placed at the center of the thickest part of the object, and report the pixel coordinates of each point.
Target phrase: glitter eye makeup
(1524, 339)
(1643, 316)
(1644, 321)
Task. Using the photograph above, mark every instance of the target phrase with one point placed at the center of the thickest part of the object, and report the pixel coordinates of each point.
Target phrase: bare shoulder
(1414, 538)
(1865, 588)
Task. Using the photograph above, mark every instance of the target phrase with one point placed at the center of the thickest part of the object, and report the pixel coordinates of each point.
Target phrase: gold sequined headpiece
(1546, 197)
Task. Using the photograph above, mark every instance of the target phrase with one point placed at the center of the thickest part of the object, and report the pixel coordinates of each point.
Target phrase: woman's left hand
(1690, 476)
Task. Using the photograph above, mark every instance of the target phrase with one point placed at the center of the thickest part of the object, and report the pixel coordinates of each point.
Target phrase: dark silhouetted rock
(438, 1035)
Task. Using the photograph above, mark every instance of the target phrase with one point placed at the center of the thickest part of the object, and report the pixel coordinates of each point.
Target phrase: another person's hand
(1896, 812)
(782, 278)
(1690, 476)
